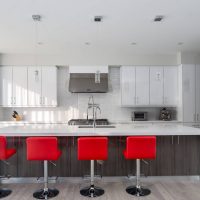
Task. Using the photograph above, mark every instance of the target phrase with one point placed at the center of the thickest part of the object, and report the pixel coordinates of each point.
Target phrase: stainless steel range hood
(88, 79)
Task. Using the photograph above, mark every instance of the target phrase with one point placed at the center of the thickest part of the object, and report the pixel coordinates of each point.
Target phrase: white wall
(88, 59)
(189, 58)
(75, 105)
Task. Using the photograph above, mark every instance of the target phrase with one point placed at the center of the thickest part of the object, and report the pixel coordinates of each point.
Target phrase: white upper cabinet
(6, 86)
(127, 86)
(42, 86)
(28, 86)
(19, 95)
(49, 86)
(149, 86)
(34, 86)
(156, 86)
(171, 86)
(142, 85)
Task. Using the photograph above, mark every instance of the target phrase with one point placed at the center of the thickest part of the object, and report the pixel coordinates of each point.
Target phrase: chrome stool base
(4, 192)
(92, 191)
(139, 192)
(42, 194)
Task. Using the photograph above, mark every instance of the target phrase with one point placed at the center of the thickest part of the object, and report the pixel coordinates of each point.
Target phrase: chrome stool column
(92, 190)
(138, 190)
(46, 192)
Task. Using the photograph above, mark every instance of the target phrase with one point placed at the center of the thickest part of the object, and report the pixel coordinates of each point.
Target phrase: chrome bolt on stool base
(42, 194)
(92, 191)
(5, 193)
(137, 191)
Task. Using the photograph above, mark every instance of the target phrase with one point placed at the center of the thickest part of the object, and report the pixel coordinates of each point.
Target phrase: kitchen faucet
(94, 107)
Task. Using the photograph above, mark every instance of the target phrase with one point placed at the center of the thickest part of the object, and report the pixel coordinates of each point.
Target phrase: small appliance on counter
(16, 116)
(139, 116)
(165, 114)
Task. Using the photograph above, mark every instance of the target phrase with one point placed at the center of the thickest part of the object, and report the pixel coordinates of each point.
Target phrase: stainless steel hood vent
(88, 79)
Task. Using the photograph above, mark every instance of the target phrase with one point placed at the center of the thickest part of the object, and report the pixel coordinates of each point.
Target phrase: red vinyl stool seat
(45, 149)
(139, 147)
(92, 148)
(5, 154)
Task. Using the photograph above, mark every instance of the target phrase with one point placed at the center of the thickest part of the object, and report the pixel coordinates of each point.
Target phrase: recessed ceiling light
(133, 43)
(158, 18)
(87, 43)
(40, 43)
(98, 18)
(180, 43)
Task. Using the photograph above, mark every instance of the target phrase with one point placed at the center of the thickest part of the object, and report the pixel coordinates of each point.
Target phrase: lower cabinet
(176, 156)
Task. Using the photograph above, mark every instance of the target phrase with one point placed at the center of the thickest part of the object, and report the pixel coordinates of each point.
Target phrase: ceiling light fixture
(37, 18)
(98, 18)
(133, 43)
(180, 43)
(158, 18)
(87, 43)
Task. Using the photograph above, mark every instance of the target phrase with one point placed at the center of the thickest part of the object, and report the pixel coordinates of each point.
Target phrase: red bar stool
(139, 147)
(4, 155)
(92, 148)
(45, 149)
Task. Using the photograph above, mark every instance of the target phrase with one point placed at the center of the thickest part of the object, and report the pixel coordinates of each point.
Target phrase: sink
(97, 126)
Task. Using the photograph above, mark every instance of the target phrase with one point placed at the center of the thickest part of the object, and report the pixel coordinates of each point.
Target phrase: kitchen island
(178, 150)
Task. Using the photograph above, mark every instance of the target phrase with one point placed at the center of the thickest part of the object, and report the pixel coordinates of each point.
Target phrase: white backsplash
(75, 105)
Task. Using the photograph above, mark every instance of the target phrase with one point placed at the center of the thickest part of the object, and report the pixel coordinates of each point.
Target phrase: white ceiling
(67, 24)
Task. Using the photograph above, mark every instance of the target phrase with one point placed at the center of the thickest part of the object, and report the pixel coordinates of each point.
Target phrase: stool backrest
(2, 147)
(141, 147)
(42, 148)
(93, 148)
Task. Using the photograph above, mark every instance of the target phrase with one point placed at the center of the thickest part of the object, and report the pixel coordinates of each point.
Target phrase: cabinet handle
(14, 100)
(198, 117)
(178, 139)
(172, 139)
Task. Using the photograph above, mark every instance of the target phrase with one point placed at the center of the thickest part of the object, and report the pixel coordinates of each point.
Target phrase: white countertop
(25, 129)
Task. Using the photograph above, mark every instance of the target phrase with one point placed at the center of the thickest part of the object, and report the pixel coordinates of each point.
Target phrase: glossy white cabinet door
(171, 86)
(49, 86)
(188, 76)
(142, 85)
(6, 86)
(34, 86)
(156, 86)
(20, 86)
(127, 85)
(197, 74)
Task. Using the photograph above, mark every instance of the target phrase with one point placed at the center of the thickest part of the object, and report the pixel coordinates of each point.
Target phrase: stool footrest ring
(138, 191)
(92, 191)
(42, 194)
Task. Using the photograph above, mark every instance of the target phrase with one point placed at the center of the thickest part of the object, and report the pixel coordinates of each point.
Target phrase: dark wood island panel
(176, 155)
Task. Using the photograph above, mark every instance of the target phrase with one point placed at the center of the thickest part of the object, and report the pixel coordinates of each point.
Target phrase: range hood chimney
(88, 79)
